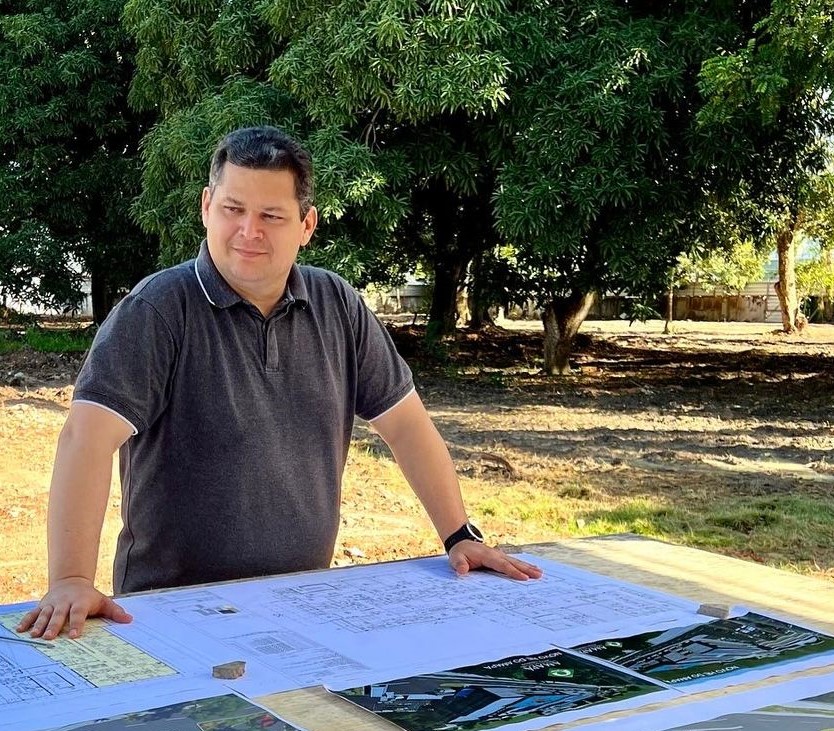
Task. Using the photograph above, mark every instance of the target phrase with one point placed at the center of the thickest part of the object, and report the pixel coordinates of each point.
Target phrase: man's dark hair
(265, 148)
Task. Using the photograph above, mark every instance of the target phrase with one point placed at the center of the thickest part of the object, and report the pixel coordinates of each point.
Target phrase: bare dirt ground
(712, 413)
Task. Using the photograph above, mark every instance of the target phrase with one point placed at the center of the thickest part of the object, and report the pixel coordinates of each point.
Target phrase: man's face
(254, 230)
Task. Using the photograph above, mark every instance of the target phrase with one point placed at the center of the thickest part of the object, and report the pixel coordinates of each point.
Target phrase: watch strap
(467, 532)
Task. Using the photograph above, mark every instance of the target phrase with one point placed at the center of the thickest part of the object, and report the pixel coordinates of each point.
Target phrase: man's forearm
(422, 456)
(425, 462)
(429, 470)
(77, 503)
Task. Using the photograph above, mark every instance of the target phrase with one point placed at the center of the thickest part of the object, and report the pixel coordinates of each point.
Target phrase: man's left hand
(468, 555)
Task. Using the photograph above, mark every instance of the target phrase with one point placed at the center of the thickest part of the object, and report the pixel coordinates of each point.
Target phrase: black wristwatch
(467, 532)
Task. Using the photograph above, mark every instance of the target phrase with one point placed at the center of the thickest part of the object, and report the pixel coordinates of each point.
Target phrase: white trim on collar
(202, 286)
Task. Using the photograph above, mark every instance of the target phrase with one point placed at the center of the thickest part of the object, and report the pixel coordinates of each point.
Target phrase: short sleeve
(131, 363)
(384, 378)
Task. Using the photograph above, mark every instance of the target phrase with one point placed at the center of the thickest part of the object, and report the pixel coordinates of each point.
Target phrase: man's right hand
(70, 601)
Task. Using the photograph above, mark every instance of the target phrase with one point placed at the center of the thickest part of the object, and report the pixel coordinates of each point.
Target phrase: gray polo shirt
(242, 423)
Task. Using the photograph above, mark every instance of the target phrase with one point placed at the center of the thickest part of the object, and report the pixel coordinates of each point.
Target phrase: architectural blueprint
(375, 622)
(41, 685)
(342, 628)
(96, 660)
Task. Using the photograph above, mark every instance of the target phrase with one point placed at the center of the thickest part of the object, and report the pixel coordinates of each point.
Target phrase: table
(697, 575)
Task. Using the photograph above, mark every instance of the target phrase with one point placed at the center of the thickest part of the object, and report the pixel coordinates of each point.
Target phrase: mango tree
(770, 118)
(69, 154)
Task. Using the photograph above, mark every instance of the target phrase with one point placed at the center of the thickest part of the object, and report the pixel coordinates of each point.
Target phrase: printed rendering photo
(702, 651)
(222, 713)
(500, 693)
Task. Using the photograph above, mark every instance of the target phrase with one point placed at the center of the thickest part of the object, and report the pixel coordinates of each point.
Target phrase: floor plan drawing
(76, 679)
(98, 660)
(367, 622)
(562, 600)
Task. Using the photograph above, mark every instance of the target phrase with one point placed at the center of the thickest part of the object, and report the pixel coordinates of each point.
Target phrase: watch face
(475, 533)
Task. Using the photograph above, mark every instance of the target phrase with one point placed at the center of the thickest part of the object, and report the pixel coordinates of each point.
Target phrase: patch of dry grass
(713, 459)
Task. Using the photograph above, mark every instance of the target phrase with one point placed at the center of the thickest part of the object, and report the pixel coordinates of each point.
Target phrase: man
(229, 385)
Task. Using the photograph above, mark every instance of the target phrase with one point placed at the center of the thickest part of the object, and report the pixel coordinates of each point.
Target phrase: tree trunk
(448, 262)
(448, 274)
(786, 286)
(828, 296)
(462, 314)
(827, 308)
(562, 319)
(101, 294)
(461, 227)
(479, 317)
(479, 304)
(670, 305)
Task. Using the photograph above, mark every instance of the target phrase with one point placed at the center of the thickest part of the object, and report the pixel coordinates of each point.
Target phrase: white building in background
(757, 302)
(27, 308)
(410, 297)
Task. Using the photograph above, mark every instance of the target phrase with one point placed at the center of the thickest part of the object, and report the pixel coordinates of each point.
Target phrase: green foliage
(575, 133)
(356, 213)
(392, 159)
(817, 200)
(600, 179)
(786, 66)
(816, 277)
(725, 269)
(595, 141)
(410, 61)
(68, 151)
(36, 267)
(768, 119)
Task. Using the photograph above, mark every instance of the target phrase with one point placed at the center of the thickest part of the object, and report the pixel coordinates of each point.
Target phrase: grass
(382, 518)
(10, 341)
(789, 531)
(551, 493)
(793, 531)
(42, 340)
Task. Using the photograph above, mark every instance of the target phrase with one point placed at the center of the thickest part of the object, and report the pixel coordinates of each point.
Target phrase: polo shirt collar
(297, 288)
(220, 294)
(215, 288)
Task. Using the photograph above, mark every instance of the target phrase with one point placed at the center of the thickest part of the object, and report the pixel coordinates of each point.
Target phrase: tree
(728, 270)
(69, 163)
(601, 184)
(769, 118)
(566, 131)
(815, 284)
(815, 279)
(443, 132)
(386, 97)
